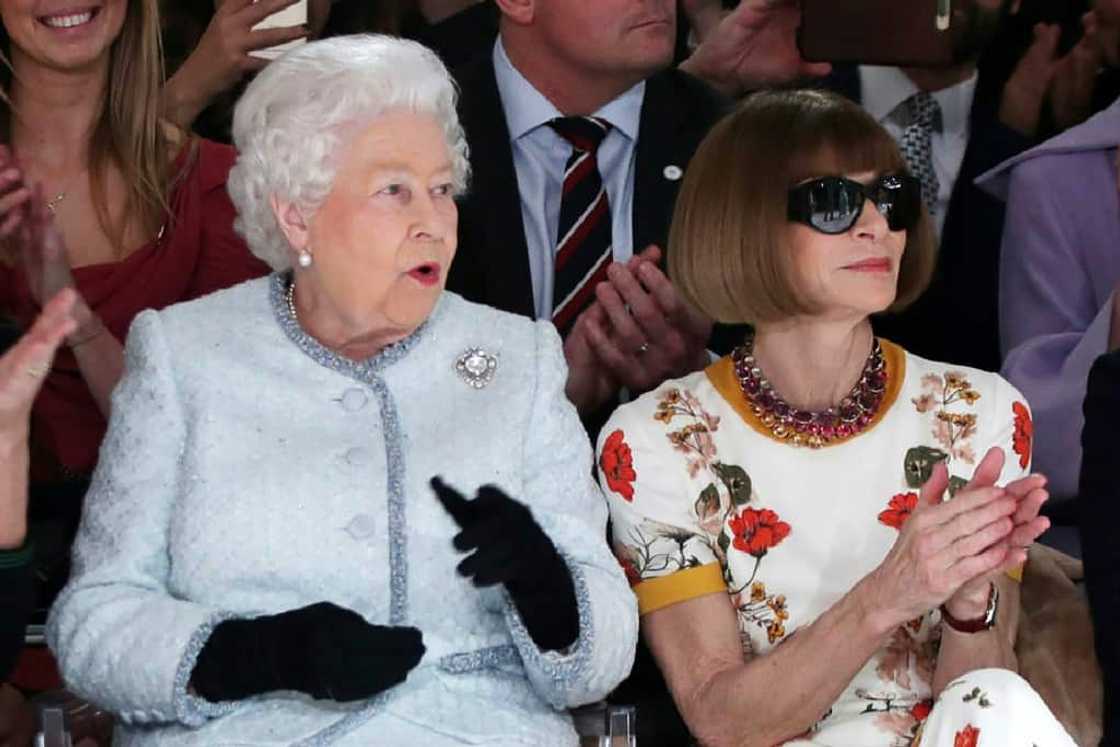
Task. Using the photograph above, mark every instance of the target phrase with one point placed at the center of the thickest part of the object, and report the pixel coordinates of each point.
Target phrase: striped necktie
(583, 243)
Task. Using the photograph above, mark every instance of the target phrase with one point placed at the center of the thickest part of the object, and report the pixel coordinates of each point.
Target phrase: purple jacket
(1059, 265)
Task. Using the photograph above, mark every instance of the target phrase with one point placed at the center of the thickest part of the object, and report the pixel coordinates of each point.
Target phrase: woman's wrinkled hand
(945, 545)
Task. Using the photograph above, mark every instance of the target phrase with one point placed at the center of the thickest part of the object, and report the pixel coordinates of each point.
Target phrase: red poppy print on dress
(921, 710)
(1024, 433)
(617, 465)
(632, 576)
(755, 532)
(967, 737)
(899, 510)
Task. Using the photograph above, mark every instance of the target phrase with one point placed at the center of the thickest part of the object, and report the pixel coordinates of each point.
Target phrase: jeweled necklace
(803, 427)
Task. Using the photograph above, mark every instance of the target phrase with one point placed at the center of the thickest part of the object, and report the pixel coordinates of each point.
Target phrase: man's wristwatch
(977, 624)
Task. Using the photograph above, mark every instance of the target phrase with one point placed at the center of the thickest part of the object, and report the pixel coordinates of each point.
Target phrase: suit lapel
(492, 233)
(658, 160)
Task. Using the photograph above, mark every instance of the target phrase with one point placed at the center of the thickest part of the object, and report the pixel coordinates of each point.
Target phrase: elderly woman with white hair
(267, 555)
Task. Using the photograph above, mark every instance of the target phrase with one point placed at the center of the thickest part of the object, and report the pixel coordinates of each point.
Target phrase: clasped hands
(950, 552)
(636, 334)
(331, 652)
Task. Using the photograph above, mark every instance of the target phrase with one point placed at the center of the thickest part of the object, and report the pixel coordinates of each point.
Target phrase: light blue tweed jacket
(248, 470)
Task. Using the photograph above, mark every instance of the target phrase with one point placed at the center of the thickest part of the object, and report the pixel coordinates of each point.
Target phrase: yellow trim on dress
(681, 586)
(723, 378)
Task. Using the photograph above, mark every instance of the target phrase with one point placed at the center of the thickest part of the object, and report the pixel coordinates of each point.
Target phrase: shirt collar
(883, 89)
(526, 108)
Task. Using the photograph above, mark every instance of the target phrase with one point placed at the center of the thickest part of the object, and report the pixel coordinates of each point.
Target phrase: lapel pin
(673, 172)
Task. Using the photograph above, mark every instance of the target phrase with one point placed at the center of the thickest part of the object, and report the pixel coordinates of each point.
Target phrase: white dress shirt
(884, 89)
(539, 158)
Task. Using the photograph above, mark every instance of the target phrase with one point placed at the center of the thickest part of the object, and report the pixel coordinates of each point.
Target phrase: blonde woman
(130, 212)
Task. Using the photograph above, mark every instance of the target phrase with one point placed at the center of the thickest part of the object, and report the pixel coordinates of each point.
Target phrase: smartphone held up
(905, 33)
(293, 15)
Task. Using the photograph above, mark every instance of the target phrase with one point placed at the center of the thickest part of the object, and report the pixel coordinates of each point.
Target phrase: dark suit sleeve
(1099, 517)
(16, 599)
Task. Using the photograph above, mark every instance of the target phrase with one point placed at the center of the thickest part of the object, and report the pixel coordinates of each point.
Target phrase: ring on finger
(642, 348)
(38, 371)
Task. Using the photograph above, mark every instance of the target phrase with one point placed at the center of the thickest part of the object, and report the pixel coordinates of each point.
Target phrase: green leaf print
(737, 482)
(919, 464)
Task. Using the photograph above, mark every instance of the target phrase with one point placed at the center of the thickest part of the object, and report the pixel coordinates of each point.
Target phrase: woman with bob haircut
(268, 553)
(782, 516)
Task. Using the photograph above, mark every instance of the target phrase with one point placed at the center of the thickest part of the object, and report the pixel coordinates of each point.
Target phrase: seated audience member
(261, 520)
(953, 124)
(1059, 278)
(1099, 501)
(780, 515)
(572, 82)
(22, 370)
(115, 203)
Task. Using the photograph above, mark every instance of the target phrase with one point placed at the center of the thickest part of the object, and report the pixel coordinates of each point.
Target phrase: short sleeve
(656, 534)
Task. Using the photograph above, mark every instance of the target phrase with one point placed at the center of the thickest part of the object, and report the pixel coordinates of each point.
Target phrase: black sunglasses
(833, 204)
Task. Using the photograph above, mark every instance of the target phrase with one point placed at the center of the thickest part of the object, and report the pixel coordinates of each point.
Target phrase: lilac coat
(1059, 266)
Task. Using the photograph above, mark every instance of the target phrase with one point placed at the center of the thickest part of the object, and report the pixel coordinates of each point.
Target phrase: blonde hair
(728, 246)
(129, 133)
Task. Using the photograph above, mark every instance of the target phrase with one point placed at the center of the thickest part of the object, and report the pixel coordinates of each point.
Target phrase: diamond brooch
(476, 367)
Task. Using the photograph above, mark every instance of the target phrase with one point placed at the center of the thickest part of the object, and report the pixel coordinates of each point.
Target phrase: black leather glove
(323, 650)
(511, 548)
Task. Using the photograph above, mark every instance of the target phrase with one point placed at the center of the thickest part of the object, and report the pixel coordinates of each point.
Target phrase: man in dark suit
(607, 61)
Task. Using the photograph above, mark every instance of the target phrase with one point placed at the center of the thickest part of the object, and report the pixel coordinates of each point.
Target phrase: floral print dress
(704, 499)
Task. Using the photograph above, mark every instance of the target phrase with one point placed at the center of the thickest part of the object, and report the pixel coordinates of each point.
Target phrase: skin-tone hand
(754, 46)
(1075, 78)
(223, 55)
(22, 371)
(1067, 82)
(703, 17)
(946, 544)
(589, 383)
(653, 335)
(971, 599)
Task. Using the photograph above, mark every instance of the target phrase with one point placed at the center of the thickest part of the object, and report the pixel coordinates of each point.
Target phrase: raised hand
(653, 335)
(224, 55)
(509, 547)
(945, 545)
(326, 651)
(25, 365)
(754, 46)
(23, 369)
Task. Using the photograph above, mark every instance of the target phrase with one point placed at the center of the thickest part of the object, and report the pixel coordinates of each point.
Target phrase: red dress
(197, 253)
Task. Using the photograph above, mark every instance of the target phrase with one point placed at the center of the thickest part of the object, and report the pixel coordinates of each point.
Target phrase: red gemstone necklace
(803, 427)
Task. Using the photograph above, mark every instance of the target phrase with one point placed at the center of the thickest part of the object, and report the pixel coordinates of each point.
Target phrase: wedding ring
(38, 372)
(643, 348)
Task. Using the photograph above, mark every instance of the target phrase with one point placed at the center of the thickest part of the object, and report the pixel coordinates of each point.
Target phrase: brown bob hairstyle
(728, 246)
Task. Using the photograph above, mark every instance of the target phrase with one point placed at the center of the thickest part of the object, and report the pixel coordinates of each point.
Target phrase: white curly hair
(293, 120)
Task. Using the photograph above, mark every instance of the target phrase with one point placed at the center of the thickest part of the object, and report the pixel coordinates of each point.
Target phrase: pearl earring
(304, 258)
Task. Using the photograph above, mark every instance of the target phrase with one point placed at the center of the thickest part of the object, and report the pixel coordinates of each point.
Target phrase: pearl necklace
(292, 301)
(803, 427)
